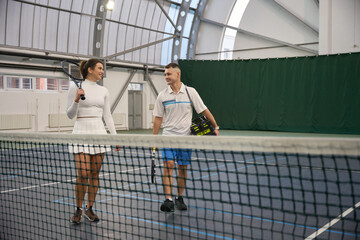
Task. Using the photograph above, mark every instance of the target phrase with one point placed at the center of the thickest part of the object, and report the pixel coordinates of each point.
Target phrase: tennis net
(236, 188)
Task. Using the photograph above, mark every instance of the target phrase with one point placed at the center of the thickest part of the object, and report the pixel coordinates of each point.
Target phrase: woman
(89, 113)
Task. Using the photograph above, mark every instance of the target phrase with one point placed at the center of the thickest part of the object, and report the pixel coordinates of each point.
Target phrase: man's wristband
(217, 128)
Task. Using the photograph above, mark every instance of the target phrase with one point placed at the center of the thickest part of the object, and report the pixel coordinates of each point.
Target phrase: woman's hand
(79, 93)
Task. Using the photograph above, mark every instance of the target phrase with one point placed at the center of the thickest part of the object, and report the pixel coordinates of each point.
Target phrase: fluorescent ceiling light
(110, 5)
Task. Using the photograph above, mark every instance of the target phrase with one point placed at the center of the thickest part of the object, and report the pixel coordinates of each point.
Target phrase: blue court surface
(230, 195)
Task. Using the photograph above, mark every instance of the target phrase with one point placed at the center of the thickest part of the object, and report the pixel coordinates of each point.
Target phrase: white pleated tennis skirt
(89, 126)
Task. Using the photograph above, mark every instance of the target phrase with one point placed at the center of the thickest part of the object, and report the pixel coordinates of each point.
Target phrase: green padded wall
(306, 94)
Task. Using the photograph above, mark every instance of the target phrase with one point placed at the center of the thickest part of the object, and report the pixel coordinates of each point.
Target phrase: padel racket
(76, 80)
(153, 165)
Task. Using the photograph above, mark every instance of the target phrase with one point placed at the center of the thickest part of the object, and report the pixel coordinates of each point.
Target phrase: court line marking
(69, 180)
(34, 171)
(156, 223)
(332, 222)
(230, 213)
(325, 228)
(101, 175)
(235, 214)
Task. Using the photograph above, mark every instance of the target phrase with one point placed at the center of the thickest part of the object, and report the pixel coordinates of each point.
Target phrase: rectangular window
(52, 84)
(64, 83)
(41, 83)
(19, 82)
(13, 82)
(135, 87)
(27, 83)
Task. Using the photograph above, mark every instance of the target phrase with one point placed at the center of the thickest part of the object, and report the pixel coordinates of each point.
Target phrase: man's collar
(182, 89)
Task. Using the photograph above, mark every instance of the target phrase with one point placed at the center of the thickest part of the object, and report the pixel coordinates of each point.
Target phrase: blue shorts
(181, 156)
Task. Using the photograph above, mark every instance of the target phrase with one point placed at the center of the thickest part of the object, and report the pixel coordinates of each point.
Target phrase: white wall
(331, 27)
(210, 36)
(269, 19)
(339, 26)
(41, 104)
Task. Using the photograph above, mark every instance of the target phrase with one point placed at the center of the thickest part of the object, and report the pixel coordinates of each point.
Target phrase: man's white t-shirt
(176, 109)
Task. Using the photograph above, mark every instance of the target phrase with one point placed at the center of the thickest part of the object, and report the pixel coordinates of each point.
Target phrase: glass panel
(188, 23)
(52, 84)
(64, 84)
(230, 34)
(13, 82)
(41, 83)
(167, 45)
(1, 82)
(184, 48)
(194, 3)
(27, 83)
(135, 87)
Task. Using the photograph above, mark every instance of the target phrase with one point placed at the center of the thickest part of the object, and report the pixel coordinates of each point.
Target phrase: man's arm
(157, 124)
(211, 118)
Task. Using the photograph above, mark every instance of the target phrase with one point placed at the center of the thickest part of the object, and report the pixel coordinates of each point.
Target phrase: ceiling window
(230, 34)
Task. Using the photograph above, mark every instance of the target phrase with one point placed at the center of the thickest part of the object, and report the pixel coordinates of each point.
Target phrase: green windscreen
(307, 94)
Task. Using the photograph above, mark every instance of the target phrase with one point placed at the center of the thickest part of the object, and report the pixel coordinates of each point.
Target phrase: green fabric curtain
(306, 94)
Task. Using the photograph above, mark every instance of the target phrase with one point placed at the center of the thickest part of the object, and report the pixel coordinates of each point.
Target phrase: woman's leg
(83, 169)
(82, 162)
(96, 163)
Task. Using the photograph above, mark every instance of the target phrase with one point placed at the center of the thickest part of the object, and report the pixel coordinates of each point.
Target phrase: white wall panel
(74, 31)
(13, 23)
(209, 38)
(15, 121)
(62, 37)
(66, 4)
(218, 11)
(267, 18)
(26, 26)
(339, 26)
(51, 29)
(77, 5)
(3, 16)
(84, 37)
(305, 10)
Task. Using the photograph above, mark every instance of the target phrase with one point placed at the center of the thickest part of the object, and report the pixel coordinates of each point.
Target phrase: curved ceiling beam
(195, 29)
(180, 23)
(99, 27)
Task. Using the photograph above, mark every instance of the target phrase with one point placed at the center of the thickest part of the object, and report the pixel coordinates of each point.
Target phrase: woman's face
(96, 73)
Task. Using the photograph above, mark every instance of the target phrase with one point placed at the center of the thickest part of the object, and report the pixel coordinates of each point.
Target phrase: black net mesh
(236, 188)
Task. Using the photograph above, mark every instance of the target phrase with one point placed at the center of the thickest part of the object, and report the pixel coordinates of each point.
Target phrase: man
(174, 107)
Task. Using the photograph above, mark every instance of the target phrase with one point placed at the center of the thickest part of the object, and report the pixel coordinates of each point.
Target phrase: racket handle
(82, 97)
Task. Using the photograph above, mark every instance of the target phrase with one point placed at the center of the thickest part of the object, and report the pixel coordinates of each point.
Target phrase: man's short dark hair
(172, 65)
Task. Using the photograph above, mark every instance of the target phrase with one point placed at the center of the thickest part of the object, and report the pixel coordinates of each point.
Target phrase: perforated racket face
(66, 70)
(78, 81)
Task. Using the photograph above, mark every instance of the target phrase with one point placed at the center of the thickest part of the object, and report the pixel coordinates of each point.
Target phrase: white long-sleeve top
(96, 104)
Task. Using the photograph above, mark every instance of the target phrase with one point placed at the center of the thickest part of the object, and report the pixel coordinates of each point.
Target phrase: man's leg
(168, 178)
(181, 179)
(183, 162)
(168, 158)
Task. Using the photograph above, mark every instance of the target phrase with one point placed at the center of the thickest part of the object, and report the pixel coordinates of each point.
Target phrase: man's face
(172, 75)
